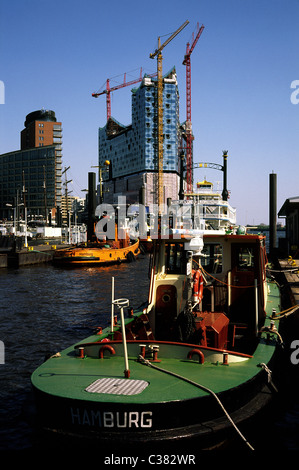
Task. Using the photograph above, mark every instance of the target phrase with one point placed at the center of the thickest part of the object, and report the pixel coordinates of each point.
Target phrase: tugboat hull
(148, 424)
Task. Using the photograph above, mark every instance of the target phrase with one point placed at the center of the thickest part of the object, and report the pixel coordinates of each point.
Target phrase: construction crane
(158, 53)
(122, 85)
(189, 138)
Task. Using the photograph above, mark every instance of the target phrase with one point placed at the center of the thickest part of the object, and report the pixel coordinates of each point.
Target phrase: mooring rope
(148, 363)
(269, 375)
(284, 313)
(282, 271)
(223, 282)
(43, 252)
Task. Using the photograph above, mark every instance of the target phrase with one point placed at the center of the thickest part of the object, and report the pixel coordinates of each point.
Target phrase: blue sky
(54, 55)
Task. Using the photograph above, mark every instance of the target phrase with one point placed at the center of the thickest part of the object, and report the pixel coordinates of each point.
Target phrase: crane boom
(158, 53)
(160, 47)
(108, 90)
(189, 49)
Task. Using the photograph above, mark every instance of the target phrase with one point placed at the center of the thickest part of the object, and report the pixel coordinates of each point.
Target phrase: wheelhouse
(228, 306)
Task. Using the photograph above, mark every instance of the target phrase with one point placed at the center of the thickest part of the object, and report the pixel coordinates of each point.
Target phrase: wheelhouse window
(245, 258)
(212, 257)
(175, 258)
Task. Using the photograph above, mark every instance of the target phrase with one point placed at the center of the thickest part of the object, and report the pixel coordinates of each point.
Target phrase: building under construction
(151, 160)
(132, 150)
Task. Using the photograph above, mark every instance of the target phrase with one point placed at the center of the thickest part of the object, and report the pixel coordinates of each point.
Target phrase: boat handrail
(174, 343)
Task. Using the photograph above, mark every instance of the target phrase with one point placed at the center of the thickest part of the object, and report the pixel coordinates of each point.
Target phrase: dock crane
(108, 90)
(158, 53)
(189, 138)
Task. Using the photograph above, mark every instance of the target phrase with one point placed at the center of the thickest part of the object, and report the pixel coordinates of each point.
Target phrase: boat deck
(52, 378)
(69, 375)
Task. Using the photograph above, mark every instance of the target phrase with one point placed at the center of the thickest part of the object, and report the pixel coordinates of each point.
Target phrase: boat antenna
(225, 191)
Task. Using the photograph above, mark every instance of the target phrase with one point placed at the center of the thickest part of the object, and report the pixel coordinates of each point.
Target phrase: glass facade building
(133, 151)
(29, 177)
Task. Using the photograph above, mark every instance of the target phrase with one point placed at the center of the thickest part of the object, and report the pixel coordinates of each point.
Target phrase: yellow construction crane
(158, 53)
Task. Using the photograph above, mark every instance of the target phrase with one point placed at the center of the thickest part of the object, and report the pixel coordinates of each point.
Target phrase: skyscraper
(41, 129)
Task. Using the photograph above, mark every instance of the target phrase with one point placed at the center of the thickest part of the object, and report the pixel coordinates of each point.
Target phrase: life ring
(197, 286)
(199, 353)
(106, 347)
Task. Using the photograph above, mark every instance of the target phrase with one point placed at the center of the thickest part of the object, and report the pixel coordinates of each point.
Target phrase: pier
(287, 275)
(38, 254)
(290, 271)
(16, 256)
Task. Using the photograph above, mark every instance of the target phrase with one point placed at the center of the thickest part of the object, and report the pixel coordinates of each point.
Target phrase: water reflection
(44, 309)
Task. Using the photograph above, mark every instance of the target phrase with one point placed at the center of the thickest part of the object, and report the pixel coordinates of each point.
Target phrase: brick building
(32, 176)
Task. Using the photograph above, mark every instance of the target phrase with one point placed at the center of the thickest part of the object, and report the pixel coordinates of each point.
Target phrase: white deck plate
(117, 386)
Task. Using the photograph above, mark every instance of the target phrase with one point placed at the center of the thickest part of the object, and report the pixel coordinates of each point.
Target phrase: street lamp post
(14, 215)
(26, 240)
(102, 167)
(25, 217)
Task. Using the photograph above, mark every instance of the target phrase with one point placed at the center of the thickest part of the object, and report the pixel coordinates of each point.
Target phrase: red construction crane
(189, 137)
(122, 85)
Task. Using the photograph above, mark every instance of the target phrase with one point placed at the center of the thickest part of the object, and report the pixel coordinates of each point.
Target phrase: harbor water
(44, 309)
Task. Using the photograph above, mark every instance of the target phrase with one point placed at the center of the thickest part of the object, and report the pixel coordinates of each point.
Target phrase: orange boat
(99, 252)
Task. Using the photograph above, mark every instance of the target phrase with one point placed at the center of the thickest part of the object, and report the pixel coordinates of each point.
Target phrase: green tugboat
(194, 362)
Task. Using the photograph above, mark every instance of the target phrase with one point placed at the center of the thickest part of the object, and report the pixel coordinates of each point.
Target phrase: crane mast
(158, 53)
(189, 138)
